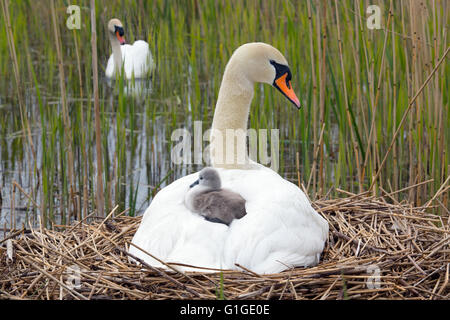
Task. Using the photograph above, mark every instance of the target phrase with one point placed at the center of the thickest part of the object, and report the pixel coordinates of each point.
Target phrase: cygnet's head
(115, 28)
(209, 178)
(261, 62)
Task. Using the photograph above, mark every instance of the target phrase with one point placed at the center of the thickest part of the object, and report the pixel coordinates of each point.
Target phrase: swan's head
(261, 62)
(115, 27)
(209, 178)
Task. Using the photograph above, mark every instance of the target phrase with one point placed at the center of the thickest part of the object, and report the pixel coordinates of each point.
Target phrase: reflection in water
(137, 88)
(136, 150)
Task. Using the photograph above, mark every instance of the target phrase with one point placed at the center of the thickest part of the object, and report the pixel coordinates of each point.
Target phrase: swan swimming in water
(207, 198)
(137, 59)
(280, 230)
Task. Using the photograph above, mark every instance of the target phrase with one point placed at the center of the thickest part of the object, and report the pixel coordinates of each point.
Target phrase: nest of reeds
(376, 250)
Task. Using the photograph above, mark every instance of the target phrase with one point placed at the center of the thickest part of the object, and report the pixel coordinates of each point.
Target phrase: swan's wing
(137, 58)
(280, 230)
(174, 234)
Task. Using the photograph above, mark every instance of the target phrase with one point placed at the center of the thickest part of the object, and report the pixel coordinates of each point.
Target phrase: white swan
(280, 229)
(137, 59)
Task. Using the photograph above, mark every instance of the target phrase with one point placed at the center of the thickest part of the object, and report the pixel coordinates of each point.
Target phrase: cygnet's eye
(201, 178)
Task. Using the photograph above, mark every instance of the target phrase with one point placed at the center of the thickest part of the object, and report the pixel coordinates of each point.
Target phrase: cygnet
(208, 199)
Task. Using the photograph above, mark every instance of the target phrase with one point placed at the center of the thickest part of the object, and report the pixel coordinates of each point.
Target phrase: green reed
(355, 85)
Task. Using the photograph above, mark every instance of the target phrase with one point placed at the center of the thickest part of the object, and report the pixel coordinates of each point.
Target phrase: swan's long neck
(232, 111)
(117, 52)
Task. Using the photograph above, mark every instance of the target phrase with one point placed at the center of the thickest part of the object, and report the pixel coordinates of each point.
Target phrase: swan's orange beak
(120, 38)
(286, 89)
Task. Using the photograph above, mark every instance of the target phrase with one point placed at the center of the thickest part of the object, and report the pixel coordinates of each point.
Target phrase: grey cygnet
(207, 198)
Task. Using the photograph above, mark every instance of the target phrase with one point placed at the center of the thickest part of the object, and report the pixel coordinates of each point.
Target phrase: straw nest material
(376, 250)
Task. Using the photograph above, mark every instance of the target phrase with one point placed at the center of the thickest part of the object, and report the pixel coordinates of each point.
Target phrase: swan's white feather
(280, 230)
(137, 59)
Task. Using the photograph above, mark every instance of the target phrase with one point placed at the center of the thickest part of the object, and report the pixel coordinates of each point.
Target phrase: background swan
(136, 59)
(280, 230)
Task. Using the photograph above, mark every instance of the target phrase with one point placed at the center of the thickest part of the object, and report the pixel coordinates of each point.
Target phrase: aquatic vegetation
(357, 129)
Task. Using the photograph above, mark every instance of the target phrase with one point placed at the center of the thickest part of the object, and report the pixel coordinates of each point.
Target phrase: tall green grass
(355, 86)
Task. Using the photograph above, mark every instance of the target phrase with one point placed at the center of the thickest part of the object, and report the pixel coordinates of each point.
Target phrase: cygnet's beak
(194, 184)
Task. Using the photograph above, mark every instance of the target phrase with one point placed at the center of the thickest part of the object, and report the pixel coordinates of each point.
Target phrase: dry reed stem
(410, 105)
(100, 201)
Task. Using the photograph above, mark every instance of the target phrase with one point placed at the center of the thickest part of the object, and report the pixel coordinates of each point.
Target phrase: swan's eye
(119, 30)
(281, 70)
